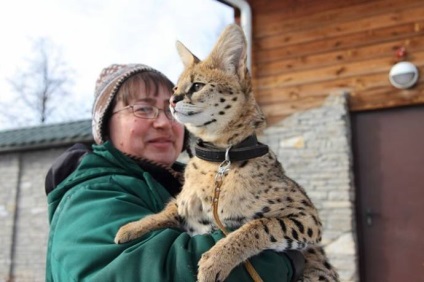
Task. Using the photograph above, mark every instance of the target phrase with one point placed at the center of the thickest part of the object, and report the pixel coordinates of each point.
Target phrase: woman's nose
(161, 119)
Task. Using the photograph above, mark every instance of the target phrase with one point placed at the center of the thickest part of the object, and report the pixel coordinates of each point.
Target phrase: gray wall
(23, 214)
(314, 148)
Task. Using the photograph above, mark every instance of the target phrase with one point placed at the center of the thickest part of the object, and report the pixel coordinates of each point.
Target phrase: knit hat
(107, 85)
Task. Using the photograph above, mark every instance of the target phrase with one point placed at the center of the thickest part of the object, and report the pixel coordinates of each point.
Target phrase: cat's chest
(237, 200)
(203, 180)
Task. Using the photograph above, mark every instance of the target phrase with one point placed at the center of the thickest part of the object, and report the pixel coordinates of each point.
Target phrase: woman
(131, 172)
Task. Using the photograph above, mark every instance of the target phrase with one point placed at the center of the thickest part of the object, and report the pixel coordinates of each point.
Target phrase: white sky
(92, 34)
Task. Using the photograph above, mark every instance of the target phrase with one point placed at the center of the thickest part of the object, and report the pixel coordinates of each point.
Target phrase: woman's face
(159, 140)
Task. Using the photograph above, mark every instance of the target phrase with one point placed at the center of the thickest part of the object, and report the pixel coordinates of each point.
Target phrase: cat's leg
(317, 267)
(166, 218)
(252, 238)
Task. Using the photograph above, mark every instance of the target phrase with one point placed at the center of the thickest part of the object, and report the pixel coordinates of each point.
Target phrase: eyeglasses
(146, 111)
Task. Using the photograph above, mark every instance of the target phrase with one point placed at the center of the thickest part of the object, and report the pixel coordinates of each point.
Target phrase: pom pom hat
(107, 85)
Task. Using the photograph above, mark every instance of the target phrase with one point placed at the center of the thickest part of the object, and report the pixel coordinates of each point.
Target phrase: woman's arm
(83, 227)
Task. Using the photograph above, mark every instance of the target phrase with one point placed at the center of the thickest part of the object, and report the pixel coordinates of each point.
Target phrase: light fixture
(403, 74)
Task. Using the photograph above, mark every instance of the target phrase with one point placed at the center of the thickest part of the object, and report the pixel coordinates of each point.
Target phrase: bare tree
(42, 83)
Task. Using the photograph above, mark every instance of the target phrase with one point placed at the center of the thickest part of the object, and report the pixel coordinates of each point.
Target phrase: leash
(223, 169)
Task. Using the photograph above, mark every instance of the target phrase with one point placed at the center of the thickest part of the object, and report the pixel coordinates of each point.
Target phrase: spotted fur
(267, 209)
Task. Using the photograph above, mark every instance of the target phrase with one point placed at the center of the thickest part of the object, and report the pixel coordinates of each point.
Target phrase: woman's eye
(143, 109)
(197, 86)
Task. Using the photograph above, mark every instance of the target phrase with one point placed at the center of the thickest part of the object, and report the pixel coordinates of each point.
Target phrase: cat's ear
(186, 56)
(230, 51)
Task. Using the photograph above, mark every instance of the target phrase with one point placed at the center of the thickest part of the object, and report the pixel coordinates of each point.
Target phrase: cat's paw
(214, 266)
(129, 232)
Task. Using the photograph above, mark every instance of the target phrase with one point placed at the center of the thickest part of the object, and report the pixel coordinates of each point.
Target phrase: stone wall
(9, 175)
(314, 148)
(23, 214)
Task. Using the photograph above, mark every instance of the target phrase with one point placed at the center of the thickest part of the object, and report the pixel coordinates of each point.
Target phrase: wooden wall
(304, 49)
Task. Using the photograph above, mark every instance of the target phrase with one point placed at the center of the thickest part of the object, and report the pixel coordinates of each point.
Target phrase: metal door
(388, 151)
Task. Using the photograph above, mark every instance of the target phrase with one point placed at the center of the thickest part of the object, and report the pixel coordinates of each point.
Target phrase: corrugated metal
(45, 136)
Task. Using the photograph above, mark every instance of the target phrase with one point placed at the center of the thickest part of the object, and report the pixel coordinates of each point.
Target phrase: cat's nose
(175, 99)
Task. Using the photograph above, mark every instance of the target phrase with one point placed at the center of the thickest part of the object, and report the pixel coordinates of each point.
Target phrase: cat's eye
(196, 86)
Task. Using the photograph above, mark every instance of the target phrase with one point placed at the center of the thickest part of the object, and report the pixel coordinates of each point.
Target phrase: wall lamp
(403, 74)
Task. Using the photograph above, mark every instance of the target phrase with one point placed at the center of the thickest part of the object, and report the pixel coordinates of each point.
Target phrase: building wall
(9, 170)
(23, 213)
(314, 148)
(304, 49)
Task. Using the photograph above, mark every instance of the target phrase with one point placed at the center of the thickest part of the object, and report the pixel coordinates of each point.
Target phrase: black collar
(247, 149)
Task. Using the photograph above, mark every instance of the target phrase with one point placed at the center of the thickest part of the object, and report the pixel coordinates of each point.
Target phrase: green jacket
(107, 190)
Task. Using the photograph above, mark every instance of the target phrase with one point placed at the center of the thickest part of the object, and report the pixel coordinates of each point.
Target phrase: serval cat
(245, 185)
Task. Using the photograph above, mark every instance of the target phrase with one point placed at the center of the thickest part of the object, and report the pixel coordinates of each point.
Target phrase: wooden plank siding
(303, 50)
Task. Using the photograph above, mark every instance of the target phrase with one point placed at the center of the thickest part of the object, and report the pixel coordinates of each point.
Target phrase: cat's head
(213, 97)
